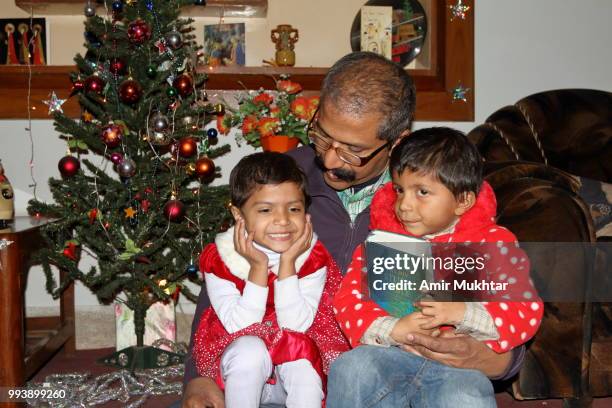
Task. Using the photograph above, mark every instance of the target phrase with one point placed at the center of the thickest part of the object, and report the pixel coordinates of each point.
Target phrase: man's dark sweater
(333, 226)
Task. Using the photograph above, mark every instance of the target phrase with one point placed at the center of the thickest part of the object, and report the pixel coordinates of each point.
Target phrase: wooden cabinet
(27, 344)
(231, 8)
(452, 64)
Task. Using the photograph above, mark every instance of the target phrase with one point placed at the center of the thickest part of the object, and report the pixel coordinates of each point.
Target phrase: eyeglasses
(322, 141)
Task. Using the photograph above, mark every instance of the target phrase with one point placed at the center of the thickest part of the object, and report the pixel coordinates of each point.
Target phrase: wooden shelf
(213, 8)
(452, 56)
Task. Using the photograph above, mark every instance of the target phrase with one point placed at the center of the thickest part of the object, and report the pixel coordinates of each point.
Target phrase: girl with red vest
(270, 333)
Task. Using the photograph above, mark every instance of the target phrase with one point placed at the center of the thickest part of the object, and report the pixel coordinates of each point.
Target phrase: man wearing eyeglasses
(366, 106)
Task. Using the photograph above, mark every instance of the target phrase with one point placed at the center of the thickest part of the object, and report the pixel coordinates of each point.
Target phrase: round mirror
(408, 29)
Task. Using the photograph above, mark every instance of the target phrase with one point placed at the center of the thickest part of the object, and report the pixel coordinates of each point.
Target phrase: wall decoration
(224, 44)
(21, 43)
(284, 38)
(459, 93)
(409, 29)
(458, 10)
(376, 26)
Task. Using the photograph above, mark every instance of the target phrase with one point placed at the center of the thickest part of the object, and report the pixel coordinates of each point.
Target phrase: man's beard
(342, 174)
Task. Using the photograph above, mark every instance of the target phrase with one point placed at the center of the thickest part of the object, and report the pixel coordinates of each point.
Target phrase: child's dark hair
(445, 153)
(264, 168)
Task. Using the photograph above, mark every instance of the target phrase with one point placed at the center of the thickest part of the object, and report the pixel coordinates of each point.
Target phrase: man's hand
(411, 323)
(458, 350)
(441, 313)
(202, 392)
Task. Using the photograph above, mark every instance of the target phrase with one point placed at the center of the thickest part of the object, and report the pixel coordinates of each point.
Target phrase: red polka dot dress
(516, 320)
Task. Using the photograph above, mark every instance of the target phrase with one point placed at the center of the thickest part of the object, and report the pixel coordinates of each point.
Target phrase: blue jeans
(388, 377)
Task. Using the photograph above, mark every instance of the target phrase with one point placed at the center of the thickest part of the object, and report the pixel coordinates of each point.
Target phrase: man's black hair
(264, 168)
(363, 83)
(445, 153)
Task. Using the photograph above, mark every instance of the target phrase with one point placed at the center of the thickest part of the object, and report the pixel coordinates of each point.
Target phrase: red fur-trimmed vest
(320, 344)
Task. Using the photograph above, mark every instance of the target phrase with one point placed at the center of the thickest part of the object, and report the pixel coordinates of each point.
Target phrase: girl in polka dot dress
(270, 334)
(437, 193)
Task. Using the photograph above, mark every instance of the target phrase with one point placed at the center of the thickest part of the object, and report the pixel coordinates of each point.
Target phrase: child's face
(426, 206)
(276, 213)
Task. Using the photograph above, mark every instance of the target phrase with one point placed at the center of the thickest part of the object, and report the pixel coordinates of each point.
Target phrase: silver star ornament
(54, 103)
(458, 10)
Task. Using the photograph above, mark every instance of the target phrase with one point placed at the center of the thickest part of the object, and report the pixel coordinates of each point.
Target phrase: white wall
(522, 47)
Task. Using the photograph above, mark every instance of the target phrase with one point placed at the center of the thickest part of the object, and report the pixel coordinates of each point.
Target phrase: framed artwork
(23, 41)
(224, 44)
(409, 44)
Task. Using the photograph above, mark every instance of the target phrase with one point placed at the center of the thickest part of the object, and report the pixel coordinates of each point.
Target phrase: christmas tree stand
(142, 357)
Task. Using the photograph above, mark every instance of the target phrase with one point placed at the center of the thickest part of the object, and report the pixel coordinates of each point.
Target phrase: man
(367, 104)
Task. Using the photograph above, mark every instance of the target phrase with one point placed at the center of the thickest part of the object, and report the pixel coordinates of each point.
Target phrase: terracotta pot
(279, 143)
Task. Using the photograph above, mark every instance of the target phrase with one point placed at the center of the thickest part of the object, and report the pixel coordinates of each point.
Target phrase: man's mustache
(342, 174)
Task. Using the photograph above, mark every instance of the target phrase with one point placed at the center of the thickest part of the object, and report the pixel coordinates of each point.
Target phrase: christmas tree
(135, 191)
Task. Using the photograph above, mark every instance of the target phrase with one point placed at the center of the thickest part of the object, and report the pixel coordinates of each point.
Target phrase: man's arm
(463, 351)
(190, 368)
(199, 392)
(203, 392)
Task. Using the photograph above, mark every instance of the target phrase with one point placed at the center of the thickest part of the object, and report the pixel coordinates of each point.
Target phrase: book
(396, 267)
(376, 27)
(224, 44)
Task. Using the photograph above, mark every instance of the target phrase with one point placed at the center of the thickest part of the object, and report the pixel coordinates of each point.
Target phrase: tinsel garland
(84, 391)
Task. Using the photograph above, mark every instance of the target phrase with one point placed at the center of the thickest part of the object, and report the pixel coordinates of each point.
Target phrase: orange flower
(289, 86)
(313, 104)
(268, 126)
(249, 124)
(300, 107)
(275, 111)
(264, 98)
(221, 125)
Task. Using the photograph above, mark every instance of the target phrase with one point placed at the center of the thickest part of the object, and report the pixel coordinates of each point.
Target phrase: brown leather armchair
(532, 149)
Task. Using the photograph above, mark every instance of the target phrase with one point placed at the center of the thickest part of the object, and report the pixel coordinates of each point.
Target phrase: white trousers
(246, 366)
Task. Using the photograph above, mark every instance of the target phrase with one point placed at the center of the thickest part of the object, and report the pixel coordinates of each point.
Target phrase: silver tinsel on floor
(81, 390)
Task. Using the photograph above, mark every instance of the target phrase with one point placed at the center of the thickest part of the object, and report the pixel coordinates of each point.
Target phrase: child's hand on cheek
(257, 259)
(297, 248)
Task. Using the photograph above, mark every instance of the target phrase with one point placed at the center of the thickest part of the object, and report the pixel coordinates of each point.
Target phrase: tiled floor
(85, 361)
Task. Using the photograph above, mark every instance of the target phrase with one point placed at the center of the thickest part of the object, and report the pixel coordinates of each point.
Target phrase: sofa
(541, 154)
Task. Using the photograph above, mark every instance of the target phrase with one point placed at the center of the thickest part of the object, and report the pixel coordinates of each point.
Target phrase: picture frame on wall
(23, 41)
(225, 44)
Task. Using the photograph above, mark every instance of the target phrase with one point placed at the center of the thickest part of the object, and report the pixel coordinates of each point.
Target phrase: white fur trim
(238, 265)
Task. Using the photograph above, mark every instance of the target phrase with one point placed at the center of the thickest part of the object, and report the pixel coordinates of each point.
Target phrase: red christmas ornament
(116, 157)
(117, 66)
(68, 166)
(77, 86)
(145, 205)
(112, 135)
(174, 210)
(138, 32)
(205, 168)
(183, 84)
(95, 84)
(130, 91)
(70, 251)
(187, 147)
(93, 213)
(176, 294)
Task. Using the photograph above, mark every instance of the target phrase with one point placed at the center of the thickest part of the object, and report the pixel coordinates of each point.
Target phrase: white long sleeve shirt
(296, 301)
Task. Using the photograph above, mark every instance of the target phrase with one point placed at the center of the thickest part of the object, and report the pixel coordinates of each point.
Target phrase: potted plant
(275, 120)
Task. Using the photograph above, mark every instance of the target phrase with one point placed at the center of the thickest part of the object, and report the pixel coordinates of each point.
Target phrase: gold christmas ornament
(160, 139)
(190, 169)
